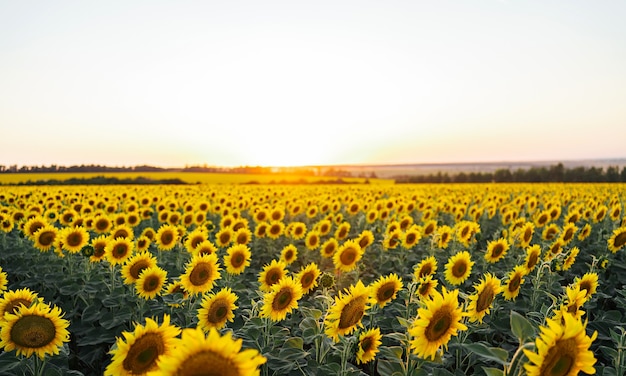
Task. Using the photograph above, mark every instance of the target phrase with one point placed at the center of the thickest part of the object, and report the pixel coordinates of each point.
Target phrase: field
(351, 279)
(187, 177)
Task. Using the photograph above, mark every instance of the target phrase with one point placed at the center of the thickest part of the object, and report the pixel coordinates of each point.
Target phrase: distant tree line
(554, 173)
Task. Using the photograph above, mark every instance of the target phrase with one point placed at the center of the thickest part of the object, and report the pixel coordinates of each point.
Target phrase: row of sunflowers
(481, 279)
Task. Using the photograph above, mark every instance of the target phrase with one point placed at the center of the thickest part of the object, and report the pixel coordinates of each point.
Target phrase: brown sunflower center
(620, 240)
(410, 238)
(527, 235)
(121, 233)
(137, 268)
(430, 228)
(348, 256)
(200, 274)
(532, 260)
(568, 234)
(364, 242)
(197, 363)
(514, 283)
(167, 238)
(352, 312)
(424, 289)
(35, 227)
(425, 270)
(307, 280)
(438, 325)
(218, 311)
(485, 298)
(283, 299)
(367, 343)
(275, 230)
(560, 358)
(497, 250)
(289, 255)
(237, 260)
(120, 250)
(152, 283)
(586, 285)
(196, 240)
(15, 304)
(329, 249)
(343, 232)
(33, 331)
(143, 354)
(273, 275)
(459, 269)
(385, 292)
(46, 238)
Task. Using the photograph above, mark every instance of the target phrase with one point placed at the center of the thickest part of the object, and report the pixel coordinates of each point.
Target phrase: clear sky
(229, 83)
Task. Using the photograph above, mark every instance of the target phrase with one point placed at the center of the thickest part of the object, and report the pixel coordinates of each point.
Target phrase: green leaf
(492, 353)
(390, 368)
(521, 327)
(442, 372)
(294, 342)
(493, 371)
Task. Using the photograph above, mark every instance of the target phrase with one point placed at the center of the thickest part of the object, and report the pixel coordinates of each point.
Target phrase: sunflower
(200, 274)
(38, 329)
(525, 234)
(458, 268)
(289, 254)
(367, 347)
(550, 232)
(140, 350)
(599, 214)
(282, 299)
(584, 232)
(570, 259)
(430, 227)
(443, 236)
(3, 280)
(427, 266)
(329, 247)
(33, 225)
(102, 224)
(204, 248)
(195, 351)
(237, 258)
(176, 287)
(312, 240)
(118, 250)
(135, 265)
(346, 257)
(271, 274)
(574, 300)
(308, 276)
(532, 257)
(346, 314)
(392, 239)
(436, 323)
(411, 237)
(44, 237)
(217, 309)
(99, 245)
(568, 232)
(142, 243)
(166, 237)
(588, 283)
(323, 227)
(275, 229)
(122, 231)
(562, 349)
(342, 231)
(298, 230)
(617, 240)
(554, 250)
(426, 287)
(150, 282)
(12, 300)
(516, 279)
(496, 250)
(260, 230)
(542, 218)
(365, 239)
(385, 289)
(194, 238)
(482, 299)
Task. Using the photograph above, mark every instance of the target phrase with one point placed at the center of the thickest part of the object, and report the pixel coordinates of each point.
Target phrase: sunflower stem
(515, 361)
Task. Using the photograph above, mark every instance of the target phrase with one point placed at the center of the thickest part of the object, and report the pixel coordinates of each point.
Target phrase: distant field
(187, 177)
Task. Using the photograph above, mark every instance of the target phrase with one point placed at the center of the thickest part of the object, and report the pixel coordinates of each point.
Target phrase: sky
(290, 83)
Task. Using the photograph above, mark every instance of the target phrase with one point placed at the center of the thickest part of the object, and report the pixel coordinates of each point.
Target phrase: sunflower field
(447, 279)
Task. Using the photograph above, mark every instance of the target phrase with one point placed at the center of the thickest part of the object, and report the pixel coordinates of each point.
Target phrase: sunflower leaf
(491, 353)
(493, 371)
(521, 327)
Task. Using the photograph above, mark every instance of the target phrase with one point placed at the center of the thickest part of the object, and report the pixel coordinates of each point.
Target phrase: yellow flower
(427, 266)
(496, 250)
(118, 250)
(458, 268)
(532, 257)
(562, 349)
(12, 300)
(385, 289)
(483, 297)
(150, 282)
(368, 345)
(289, 254)
(617, 240)
(166, 237)
(587, 283)
(237, 258)
(515, 281)
(347, 256)
(135, 265)
(346, 314)
(140, 350)
(200, 274)
(38, 329)
(217, 309)
(282, 299)
(436, 324)
(271, 274)
(308, 277)
(195, 352)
